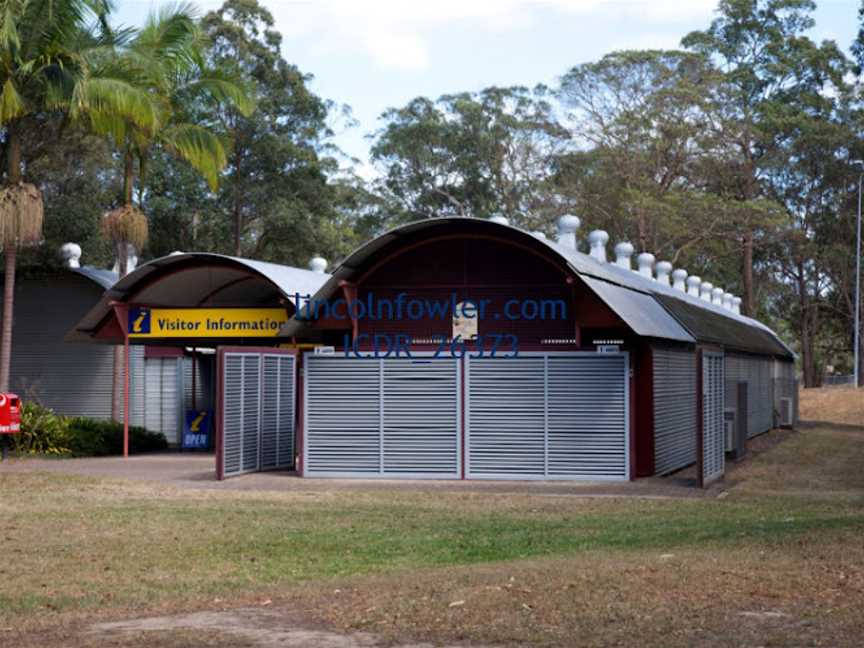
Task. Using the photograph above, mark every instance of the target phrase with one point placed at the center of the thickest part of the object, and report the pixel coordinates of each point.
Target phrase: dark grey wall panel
(71, 379)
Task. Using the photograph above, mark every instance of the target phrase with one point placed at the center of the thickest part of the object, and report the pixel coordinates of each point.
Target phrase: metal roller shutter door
(393, 417)
(162, 411)
(713, 433)
(674, 409)
(588, 417)
(550, 416)
(506, 416)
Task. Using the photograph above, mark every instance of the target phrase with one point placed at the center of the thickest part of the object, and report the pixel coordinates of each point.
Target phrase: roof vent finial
(663, 269)
(693, 283)
(623, 252)
(318, 264)
(717, 296)
(736, 305)
(679, 277)
(597, 240)
(568, 224)
(727, 300)
(705, 290)
(645, 261)
(71, 254)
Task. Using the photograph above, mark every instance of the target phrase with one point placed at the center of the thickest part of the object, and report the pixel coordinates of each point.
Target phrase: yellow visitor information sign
(205, 322)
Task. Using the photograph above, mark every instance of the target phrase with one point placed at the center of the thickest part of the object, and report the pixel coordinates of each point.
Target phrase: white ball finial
(567, 226)
(663, 269)
(693, 283)
(679, 277)
(623, 252)
(318, 264)
(645, 261)
(597, 240)
(71, 254)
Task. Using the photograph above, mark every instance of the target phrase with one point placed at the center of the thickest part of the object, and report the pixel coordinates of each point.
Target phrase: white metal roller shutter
(277, 411)
(713, 434)
(506, 417)
(161, 398)
(587, 416)
(548, 416)
(421, 417)
(342, 422)
(674, 409)
(394, 417)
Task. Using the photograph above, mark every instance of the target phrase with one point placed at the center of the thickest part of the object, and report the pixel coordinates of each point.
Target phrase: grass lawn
(779, 560)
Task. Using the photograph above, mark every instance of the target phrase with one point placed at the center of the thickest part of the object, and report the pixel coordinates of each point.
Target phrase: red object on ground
(10, 413)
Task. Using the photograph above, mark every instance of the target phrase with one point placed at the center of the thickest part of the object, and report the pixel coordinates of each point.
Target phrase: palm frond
(115, 97)
(225, 89)
(12, 104)
(199, 147)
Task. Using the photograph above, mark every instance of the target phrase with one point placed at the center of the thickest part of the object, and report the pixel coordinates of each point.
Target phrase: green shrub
(95, 438)
(42, 432)
(46, 433)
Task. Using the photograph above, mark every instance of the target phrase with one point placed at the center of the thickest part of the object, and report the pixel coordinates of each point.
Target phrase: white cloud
(397, 34)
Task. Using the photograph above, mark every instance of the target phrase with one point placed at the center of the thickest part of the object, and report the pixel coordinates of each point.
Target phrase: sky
(376, 54)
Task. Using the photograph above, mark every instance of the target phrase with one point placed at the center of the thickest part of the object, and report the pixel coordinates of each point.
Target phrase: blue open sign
(196, 430)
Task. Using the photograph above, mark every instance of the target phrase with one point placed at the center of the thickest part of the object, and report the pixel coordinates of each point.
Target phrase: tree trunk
(235, 199)
(748, 301)
(13, 177)
(11, 253)
(128, 178)
(117, 374)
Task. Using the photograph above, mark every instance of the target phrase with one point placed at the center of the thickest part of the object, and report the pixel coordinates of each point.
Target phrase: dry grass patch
(804, 592)
(843, 405)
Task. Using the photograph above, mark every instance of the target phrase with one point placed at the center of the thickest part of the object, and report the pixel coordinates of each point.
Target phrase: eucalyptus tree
(47, 54)
(472, 154)
(772, 73)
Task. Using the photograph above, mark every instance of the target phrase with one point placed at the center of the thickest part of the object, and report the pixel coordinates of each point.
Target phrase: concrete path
(193, 470)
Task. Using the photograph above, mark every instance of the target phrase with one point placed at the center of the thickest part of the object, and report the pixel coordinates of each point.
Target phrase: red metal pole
(194, 357)
(126, 394)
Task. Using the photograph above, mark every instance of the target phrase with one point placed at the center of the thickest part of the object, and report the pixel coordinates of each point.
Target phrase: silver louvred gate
(713, 462)
(675, 409)
(548, 416)
(256, 411)
(396, 417)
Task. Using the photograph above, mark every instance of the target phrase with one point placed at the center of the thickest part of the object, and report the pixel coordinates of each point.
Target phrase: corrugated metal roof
(723, 324)
(286, 279)
(640, 311)
(105, 278)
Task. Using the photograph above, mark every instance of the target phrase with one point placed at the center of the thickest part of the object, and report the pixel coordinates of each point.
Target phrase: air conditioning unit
(787, 413)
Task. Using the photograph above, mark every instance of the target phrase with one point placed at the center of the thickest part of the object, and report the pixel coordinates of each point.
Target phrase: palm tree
(46, 47)
(165, 58)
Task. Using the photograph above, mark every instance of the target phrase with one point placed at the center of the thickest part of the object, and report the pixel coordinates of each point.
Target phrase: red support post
(121, 312)
(126, 394)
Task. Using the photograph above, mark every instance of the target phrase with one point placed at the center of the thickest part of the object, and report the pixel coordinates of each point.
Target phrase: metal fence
(838, 380)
